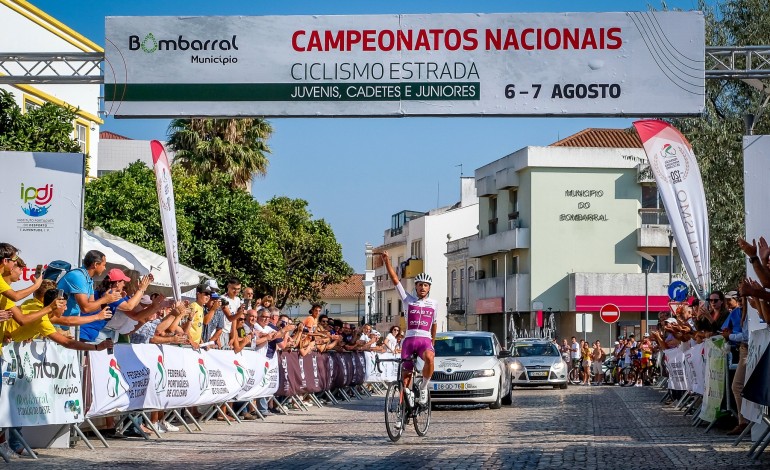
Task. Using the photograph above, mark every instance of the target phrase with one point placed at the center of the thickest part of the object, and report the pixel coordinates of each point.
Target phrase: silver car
(537, 362)
(471, 367)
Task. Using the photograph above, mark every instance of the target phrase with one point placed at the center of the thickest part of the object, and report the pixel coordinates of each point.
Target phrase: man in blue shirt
(78, 285)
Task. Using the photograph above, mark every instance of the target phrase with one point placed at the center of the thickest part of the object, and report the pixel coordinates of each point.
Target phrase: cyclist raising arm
(420, 326)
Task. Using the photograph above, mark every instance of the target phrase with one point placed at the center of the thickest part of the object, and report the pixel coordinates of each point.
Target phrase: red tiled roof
(347, 289)
(607, 138)
(112, 135)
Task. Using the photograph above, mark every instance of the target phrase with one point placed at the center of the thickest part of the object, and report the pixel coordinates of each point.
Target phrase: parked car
(537, 362)
(471, 367)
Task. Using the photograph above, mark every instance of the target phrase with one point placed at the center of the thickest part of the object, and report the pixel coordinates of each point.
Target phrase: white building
(416, 243)
(563, 229)
(344, 301)
(27, 29)
(116, 152)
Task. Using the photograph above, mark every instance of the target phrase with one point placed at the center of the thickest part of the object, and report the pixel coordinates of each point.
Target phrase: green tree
(717, 135)
(48, 128)
(300, 256)
(211, 147)
(277, 247)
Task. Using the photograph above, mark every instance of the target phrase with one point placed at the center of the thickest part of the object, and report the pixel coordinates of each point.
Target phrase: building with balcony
(566, 229)
(461, 267)
(417, 242)
(344, 301)
(27, 29)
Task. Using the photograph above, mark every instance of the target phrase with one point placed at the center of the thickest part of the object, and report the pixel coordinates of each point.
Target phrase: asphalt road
(577, 428)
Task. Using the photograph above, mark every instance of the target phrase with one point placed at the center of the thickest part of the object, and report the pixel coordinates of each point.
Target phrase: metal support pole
(670, 256)
(646, 301)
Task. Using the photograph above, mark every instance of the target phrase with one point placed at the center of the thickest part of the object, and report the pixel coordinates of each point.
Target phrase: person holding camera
(213, 321)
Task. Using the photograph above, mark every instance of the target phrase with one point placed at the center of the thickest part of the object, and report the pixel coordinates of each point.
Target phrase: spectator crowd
(70, 308)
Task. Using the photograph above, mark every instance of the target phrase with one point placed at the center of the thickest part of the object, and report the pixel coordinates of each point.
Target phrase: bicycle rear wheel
(394, 411)
(574, 376)
(421, 417)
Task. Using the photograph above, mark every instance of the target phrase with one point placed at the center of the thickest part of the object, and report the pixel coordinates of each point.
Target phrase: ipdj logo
(35, 199)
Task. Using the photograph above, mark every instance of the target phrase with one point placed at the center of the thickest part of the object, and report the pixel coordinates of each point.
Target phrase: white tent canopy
(123, 254)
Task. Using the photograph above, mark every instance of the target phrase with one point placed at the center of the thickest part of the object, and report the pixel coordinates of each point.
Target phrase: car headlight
(516, 365)
(559, 365)
(484, 373)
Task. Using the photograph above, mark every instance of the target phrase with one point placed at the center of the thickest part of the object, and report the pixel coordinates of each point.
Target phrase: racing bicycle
(399, 408)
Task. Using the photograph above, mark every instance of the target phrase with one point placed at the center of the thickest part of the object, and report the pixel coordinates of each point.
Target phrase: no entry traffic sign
(609, 313)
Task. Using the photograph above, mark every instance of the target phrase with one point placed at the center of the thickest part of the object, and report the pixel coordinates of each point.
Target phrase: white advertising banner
(695, 366)
(714, 385)
(565, 64)
(389, 369)
(41, 385)
(41, 206)
(149, 376)
(677, 379)
(167, 205)
(680, 186)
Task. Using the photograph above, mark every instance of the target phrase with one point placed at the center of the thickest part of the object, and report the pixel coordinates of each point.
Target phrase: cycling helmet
(423, 277)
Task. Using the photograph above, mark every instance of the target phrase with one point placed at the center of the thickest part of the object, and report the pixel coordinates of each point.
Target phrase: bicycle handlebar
(399, 360)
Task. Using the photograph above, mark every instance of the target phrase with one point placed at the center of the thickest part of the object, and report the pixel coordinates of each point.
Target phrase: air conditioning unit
(513, 224)
(480, 274)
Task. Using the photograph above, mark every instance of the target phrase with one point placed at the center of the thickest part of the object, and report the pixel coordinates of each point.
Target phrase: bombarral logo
(36, 201)
(203, 376)
(240, 375)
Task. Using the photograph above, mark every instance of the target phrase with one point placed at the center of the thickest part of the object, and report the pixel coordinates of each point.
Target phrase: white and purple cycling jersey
(420, 314)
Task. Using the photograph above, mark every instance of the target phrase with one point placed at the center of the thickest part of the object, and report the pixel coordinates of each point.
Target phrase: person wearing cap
(115, 282)
(213, 320)
(733, 322)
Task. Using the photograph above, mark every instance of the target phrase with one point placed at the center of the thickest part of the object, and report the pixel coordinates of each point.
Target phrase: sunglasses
(715, 300)
(263, 318)
(14, 259)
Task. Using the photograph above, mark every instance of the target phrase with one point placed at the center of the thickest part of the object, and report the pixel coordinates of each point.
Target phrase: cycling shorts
(414, 344)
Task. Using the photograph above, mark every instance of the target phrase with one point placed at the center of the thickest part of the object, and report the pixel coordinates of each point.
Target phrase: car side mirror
(504, 353)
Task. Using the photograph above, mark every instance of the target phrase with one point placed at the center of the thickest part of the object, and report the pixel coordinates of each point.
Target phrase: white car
(470, 367)
(537, 362)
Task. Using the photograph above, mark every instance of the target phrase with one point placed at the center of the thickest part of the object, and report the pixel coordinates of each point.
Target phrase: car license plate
(440, 386)
(539, 374)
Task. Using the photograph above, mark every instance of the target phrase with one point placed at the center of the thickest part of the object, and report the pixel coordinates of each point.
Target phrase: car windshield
(528, 350)
(464, 346)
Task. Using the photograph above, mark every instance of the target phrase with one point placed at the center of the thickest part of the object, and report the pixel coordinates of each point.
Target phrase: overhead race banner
(41, 385)
(531, 64)
(680, 186)
(165, 188)
(41, 206)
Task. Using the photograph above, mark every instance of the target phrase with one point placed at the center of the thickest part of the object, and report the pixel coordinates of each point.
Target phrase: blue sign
(677, 291)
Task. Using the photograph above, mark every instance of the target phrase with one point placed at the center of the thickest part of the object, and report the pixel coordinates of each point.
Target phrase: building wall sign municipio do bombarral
(565, 64)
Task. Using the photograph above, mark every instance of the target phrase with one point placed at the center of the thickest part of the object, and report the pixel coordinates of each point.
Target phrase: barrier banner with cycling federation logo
(681, 189)
(677, 379)
(716, 368)
(389, 369)
(149, 376)
(695, 367)
(41, 385)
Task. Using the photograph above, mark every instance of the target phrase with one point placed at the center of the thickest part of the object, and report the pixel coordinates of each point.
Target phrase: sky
(353, 171)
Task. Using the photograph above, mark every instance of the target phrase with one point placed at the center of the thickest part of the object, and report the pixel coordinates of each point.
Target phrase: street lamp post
(670, 256)
(505, 297)
(646, 289)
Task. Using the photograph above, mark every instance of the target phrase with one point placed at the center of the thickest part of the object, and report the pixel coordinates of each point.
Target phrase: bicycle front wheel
(422, 417)
(394, 411)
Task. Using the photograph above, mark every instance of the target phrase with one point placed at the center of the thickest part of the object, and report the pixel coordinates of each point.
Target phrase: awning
(626, 303)
(123, 254)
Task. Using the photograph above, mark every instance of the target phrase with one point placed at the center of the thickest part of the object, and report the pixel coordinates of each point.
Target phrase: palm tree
(234, 146)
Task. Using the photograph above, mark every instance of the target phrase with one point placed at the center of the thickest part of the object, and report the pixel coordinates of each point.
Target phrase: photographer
(213, 321)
